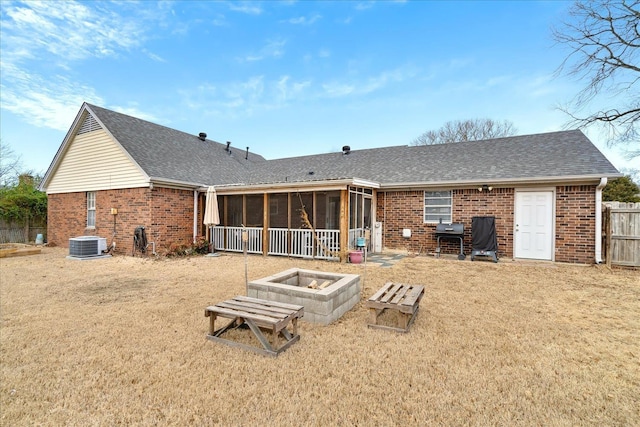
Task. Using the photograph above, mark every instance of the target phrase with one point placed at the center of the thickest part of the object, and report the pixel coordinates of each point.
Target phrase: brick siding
(575, 221)
(166, 214)
(575, 224)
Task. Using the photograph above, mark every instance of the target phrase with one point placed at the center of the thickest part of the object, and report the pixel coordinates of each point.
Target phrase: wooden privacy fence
(622, 234)
(18, 233)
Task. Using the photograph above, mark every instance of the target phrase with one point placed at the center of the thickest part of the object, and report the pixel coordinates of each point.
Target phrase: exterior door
(534, 225)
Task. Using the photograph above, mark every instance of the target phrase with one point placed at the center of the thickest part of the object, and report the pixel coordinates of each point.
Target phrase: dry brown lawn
(121, 341)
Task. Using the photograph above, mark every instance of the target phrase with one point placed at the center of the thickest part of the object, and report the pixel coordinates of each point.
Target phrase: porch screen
(255, 208)
(234, 211)
(298, 201)
(278, 210)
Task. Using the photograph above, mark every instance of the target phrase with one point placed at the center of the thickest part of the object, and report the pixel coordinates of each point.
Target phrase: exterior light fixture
(485, 187)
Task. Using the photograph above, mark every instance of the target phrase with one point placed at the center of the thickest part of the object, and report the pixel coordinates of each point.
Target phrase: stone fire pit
(325, 296)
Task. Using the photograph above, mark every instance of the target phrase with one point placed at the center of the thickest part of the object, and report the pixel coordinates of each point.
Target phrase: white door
(534, 225)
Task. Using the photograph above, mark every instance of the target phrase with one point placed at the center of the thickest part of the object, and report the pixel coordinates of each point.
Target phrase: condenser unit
(87, 246)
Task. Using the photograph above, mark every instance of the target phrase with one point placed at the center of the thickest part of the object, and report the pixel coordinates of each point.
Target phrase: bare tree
(466, 130)
(603, 37)
(10, 164)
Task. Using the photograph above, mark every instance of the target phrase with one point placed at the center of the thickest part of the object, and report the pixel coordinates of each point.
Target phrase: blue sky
(283, 78)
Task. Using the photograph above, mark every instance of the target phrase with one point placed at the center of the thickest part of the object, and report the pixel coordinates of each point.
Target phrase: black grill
(451, 231)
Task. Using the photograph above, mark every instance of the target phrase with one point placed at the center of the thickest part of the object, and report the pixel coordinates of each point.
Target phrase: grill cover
(483, 234)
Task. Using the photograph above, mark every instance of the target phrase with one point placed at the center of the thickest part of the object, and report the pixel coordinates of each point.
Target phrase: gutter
(195, 215)
(598, 242)
(509, 182)
(277, 187)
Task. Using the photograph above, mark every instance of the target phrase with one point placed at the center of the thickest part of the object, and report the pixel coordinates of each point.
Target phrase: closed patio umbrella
(211, 214)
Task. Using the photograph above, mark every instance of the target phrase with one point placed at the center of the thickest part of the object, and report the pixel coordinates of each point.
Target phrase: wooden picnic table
(403, 298)
(257, 314)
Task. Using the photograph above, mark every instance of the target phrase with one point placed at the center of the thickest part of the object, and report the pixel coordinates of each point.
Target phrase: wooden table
(405, 299)
(257, 314)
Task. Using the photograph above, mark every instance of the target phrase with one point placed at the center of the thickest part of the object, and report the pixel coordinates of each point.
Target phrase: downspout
(603, 183)
(195, 215)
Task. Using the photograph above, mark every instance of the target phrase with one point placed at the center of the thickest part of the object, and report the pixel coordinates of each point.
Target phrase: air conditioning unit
(87, 246)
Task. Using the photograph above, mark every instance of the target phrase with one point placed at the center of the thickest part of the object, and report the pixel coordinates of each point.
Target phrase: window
(91, 209)
(437, 206)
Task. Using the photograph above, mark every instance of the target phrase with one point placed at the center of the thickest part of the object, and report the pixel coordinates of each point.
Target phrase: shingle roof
(169, 154)
(166, 153)
(548, 155)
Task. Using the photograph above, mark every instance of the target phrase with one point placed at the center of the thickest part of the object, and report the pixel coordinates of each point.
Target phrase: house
(115, 172)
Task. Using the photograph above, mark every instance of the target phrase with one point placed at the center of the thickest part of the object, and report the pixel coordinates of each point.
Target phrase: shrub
(201, 246)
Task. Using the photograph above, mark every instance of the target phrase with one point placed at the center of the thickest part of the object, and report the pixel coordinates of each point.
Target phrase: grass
(121, 341)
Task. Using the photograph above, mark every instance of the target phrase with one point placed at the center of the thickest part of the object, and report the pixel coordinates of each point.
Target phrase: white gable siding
(95, 162)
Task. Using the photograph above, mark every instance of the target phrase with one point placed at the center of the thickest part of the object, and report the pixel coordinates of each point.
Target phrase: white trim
(495, 183)
(598, 254)
(552, 190)
(91, 196)
(195, 215)
(288, 187)
(424, 205)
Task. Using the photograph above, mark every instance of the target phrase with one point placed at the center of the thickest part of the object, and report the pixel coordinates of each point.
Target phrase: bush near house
(23, 207)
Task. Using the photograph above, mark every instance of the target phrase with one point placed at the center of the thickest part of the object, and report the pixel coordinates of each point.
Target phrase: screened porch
(315, 224)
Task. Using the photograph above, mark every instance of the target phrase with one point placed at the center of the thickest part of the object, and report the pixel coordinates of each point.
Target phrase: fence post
(26, 229)
(607, 221)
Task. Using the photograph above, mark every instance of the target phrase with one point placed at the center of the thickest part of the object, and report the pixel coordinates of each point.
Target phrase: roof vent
(202, 136)
(228, 150)
(346, 149)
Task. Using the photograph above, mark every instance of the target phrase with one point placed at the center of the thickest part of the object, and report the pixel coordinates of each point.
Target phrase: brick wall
(172, 218)
(575, 224)
(405, 209)
(575, 221)
(166, 214)
(66, 218)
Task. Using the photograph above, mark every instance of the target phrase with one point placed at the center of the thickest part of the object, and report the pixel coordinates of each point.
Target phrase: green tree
(621, 190)
(22, 202)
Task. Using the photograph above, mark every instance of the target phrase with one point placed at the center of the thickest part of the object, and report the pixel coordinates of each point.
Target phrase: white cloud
(364, 5)
(272, 49)
(220, 21)
(336, 89)
(288, 90)
(246, 97)
(245, 7)
(135, 112)
(47, 37)
(304, 20)
(153, 56)
(371, 84)
(67, 30)
(52, 103)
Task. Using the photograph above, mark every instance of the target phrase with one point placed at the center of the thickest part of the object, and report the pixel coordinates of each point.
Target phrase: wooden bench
(405, 299)
(257, 314)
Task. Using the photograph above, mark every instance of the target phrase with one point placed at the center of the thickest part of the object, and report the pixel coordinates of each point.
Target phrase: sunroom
(321, 220)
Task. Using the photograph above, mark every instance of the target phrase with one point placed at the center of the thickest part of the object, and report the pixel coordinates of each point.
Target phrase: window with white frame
(91, 209)
(437, 206)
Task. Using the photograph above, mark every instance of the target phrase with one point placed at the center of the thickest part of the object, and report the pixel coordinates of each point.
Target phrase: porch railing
(278, 241)
(328, 244)
(230, 239)
(282, 241)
